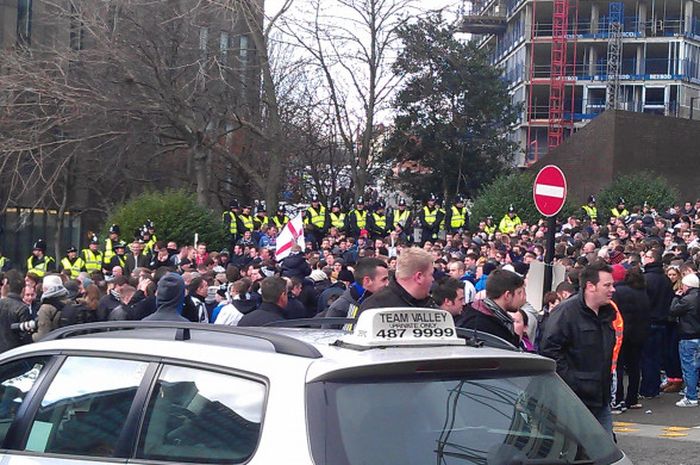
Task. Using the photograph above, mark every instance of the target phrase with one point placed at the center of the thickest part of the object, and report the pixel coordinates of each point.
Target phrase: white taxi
(403, 388)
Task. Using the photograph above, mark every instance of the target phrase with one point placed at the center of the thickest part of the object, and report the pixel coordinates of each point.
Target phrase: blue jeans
(690, 357)
(604, 416)
(652, 352)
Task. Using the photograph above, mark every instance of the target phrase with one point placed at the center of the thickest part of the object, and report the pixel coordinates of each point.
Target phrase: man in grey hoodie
(170, 297)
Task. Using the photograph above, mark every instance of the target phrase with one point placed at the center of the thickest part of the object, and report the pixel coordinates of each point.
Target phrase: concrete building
(41, 25)
(566, 61)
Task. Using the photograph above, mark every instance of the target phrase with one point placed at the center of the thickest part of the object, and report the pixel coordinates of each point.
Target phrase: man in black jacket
(505, 294)
(274, 296)
(660, 292)
(686, 307)
(410, 286)
(12, 310)
(579, 336)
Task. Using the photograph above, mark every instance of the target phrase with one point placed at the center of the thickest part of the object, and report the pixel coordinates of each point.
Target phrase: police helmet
(114, 229)
(591, 198)
(281, 209)
(233, 204)
(261, 207)
(71, 249)
(620, 201)
(402, 202)
(149, 224)
(120, 245)
(380, 204)
(360, 200)
(39, 245)
(315, 198)
(511, 208)
(94, 239)
(432, 197)
(336, 203)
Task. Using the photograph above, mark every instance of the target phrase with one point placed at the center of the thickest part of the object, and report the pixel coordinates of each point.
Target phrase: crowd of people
(623, 326)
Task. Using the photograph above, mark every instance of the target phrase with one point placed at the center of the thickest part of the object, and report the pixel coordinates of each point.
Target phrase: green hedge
(516, 188)
(176, 215)
(636, 189)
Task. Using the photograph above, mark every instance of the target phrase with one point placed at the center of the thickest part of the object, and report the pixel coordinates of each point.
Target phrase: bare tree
(353, 44)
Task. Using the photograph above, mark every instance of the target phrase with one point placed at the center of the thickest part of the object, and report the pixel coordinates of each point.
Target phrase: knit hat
(618, 272)
(691, 280)
(318, 276)
(52, 286)
(171, 290)
(346, 276)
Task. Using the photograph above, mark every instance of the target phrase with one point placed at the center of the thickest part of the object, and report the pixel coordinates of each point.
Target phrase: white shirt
(228, 315)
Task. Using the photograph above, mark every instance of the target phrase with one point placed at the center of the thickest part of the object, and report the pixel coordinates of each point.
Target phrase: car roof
(260, 350)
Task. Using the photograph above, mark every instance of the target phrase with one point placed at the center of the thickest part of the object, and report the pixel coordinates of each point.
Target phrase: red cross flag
(292, 233)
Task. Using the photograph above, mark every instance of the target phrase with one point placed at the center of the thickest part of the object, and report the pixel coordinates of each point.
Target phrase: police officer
(510, 221)
(5, 263)
(92, 257)
(113, 238)
(430, 217)
(590, 209)
(119, 257)
(401, 220)
(457, 217)
(356, 221)
(620, 210)
(245, 220)
(315, 220)
(38, 262)
(489, 226)
(150, 226)
(377, 221)
(280, 219)
(71, 263)
(260, 217)
(336, 216)
(230, 221)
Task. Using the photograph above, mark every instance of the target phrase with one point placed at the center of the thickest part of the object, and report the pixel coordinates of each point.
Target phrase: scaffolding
(615, 20)
(557, 81)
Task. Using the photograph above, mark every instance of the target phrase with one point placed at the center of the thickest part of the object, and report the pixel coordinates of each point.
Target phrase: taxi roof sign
(386, 327)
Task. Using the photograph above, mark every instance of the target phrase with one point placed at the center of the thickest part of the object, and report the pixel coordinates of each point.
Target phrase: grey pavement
(660, 433)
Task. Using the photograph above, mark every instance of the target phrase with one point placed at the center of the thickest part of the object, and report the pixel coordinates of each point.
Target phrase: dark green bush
(636, 189)
(515, 189)
(176, 215)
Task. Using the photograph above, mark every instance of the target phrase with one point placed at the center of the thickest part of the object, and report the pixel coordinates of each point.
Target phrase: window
(16, 379)
(195, 414)
(24, 22)
(223, 45)
(86, 406)
(203, 38)
(243, 49)
(455, 420)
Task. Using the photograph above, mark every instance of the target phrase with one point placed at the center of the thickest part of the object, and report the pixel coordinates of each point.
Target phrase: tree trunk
(200, 160)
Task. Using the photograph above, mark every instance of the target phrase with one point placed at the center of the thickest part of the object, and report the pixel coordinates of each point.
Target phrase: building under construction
(566, 61)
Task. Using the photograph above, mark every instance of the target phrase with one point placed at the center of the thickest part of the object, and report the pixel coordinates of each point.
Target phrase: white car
(402, 389)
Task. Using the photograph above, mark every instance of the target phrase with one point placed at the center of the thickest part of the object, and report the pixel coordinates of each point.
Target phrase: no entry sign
(549, 190)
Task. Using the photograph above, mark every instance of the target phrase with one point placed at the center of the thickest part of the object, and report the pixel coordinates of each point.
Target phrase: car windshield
(495, 421)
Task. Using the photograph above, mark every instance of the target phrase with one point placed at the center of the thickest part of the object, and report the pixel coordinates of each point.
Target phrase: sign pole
(549, 254)
(549, 194)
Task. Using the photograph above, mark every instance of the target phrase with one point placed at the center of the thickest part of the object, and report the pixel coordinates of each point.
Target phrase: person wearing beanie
(685, 307)
(53, 298)
(170, 297)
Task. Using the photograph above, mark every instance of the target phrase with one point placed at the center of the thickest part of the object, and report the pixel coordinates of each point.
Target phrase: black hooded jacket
(660, 292)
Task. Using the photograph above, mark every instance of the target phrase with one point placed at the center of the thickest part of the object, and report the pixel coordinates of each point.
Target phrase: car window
(454, 420)
(16, 379)
(201, 416)
(85, 406)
